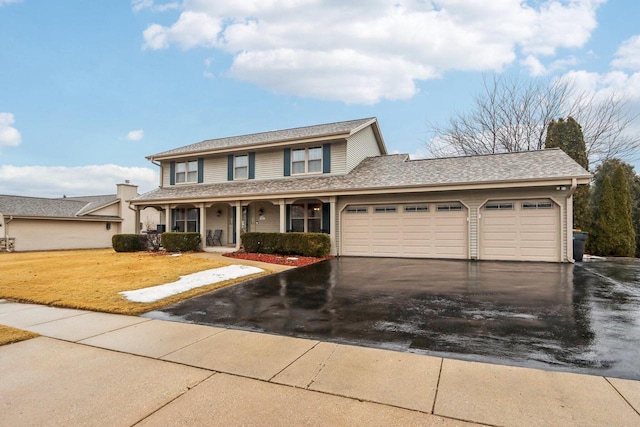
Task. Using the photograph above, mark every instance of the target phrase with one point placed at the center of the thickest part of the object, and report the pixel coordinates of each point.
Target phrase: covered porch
(221, 222)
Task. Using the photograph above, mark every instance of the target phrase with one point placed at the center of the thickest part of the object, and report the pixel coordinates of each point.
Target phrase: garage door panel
(410, 233)
(541, 237)
(520, 234)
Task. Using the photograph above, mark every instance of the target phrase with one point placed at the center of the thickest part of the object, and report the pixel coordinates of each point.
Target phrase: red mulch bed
(292, 260)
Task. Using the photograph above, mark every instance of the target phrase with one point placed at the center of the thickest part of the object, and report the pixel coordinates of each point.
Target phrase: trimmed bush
(303, 244)
(128, 243)
(181, 242)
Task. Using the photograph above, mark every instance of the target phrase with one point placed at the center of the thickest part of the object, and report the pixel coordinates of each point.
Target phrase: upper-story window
(186, 171)
(241, 167)
(306, 160)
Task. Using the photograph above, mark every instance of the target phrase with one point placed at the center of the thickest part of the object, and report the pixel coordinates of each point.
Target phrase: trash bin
(579, 240)
(161, 228)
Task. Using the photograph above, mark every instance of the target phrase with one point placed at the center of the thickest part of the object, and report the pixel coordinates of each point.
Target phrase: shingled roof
(68, 207)
(338, 129)
(396, 172)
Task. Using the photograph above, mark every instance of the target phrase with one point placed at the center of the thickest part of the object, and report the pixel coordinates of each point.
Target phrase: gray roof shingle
(315, 131)
(394, 172)
(67, 207)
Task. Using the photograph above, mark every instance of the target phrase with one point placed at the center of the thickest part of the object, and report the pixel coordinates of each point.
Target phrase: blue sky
(89, 88)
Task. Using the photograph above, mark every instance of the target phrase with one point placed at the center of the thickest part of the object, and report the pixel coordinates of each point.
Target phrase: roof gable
(67, 207)
(295, 135)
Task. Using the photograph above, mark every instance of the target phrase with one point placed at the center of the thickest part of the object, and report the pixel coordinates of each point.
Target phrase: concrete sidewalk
(92, 368)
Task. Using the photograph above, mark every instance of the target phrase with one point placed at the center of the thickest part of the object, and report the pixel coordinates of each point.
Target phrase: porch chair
(213, 238)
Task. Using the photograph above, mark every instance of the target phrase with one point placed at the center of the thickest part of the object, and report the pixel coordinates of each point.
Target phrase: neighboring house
(33, 223)
(338, 179)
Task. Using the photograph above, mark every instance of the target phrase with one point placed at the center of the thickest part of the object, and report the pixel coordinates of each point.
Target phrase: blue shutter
(172, 173)
(234, 223)
(252, 165)
(287, 162)
(200, 170)
(288, 224)
(326, 158)
(326, 218)
(230, 168)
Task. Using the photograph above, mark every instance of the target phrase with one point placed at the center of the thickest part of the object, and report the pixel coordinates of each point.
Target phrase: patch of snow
(190, 281)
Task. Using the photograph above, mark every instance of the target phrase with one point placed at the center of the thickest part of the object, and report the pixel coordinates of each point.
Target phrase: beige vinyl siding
(111, 210)
(473, 232)
(215, 222)
(215, 170)
(166, 174)
(339, 158)
(270, 164)
(42, 234)
(271, 221)
(360, 146)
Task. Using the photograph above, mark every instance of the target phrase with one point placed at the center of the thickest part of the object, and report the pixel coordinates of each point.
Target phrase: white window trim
(235, 168)
(307, 160)
(186, 172)
(306, 218)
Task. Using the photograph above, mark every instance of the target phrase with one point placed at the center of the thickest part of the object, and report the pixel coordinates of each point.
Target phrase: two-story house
(338, 179)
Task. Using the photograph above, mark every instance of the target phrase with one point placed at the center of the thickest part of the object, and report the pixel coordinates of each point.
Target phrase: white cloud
(628, 54)
(138, 5)
(9, 136)
(366, 51)
(55, 181)
(4, 2)
(605, 85)
(135, 135)
(534, 66)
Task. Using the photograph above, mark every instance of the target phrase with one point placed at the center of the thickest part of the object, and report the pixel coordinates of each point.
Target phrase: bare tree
(512, 115)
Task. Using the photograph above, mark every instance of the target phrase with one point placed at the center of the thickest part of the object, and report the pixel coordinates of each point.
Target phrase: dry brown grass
(91, 279)
(10, 335)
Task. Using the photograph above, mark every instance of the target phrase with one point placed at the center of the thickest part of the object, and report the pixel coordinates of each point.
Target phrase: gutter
(6, 232)
(153, 161)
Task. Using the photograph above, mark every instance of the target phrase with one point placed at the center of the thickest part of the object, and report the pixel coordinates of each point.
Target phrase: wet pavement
(581, 318)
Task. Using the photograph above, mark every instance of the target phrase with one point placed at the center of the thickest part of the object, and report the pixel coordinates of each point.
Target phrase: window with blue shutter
(200, 170)
(326, 218)
(287, 162)
(252, 165)
(230, 168)
(326, 158)
(172, 173)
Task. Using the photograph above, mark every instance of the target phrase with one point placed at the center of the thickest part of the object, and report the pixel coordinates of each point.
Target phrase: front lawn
(91, 279)
(10, 335)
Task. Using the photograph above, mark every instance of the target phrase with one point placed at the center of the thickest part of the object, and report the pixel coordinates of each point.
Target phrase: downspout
(572, 189)
(160, 167)
(6, 232)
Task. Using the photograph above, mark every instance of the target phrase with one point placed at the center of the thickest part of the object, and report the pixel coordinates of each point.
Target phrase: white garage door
(520, 231)
(432, 230)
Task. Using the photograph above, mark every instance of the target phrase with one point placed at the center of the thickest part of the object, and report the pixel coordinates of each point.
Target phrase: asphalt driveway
(579, 318)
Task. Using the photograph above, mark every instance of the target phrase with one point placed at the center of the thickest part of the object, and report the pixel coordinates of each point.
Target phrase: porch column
(167, 217)
(136, 229)
(203, 225)
(333, 222)
(238, 224)
(569, 231)
(283, 215)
